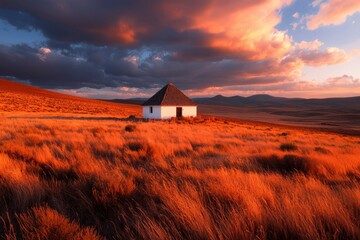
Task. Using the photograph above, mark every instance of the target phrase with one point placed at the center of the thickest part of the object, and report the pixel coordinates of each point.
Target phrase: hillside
(18, 99)
(346, 104)
(263, 100)
(334, 114)
(96, 177)
(330, 114)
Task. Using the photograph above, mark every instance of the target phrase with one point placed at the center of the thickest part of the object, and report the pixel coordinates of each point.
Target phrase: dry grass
(21, 100)
(196, 179)
(202, 178)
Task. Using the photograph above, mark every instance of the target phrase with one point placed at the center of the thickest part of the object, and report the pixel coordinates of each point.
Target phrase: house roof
(169, 96)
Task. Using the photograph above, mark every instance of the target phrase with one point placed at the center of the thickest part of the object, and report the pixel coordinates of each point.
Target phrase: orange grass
(21, 100)
(198, 179)
(66, 176)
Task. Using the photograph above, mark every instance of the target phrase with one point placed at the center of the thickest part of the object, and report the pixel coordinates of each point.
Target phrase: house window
(151, 110)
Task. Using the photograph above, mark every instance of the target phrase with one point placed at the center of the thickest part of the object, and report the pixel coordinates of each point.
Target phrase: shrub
(288, 147)
(135, 146)
(130, 128)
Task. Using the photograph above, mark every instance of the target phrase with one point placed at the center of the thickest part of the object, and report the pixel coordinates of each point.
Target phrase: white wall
(170, 111)
(166, 112)
(189, 111)
(156, 112)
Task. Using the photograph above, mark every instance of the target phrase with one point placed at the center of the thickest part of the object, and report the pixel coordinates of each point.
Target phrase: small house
(167, 103)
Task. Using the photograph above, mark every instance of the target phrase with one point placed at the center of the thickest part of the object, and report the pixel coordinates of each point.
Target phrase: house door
(178, 112)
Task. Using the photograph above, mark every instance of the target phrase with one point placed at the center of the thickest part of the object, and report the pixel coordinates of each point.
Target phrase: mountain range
(264, 100)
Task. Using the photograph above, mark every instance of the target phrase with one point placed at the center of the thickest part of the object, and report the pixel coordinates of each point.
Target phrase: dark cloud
(145, 44)
(18, 19)
(105, 22)
(47, 69)
(108, 66)
(135, 23)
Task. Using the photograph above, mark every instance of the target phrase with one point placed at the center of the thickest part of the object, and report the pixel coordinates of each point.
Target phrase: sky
(129, 49)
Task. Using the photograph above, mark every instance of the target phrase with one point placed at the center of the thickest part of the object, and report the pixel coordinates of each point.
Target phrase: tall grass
(190, 179)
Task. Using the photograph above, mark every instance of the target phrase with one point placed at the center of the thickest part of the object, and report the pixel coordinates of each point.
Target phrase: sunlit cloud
(310, 54)
(332, 12)
(309, 45)
(329, 56)
(342, 86)
(194, 44)
(43, 52)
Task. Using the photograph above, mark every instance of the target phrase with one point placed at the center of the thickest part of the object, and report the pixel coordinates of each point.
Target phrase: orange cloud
(333, 12)
(309, 45)
(343, 81)
(310, 54)
(329, 56)
(245, 28)
(342, 86)
(236, 28)
(140, 43)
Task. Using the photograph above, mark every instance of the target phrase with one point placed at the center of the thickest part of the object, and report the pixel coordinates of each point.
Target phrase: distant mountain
(263, 100)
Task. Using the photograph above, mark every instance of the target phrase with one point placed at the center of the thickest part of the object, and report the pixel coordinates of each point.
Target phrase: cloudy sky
(130, 48)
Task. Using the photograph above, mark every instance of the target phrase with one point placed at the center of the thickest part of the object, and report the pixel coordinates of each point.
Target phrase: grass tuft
(130, 128)
(288, 147)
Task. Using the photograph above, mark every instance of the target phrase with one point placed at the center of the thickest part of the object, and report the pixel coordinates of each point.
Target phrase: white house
(167, 103)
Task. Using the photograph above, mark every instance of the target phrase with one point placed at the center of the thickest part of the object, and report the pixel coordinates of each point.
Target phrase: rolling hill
(74, 168)
(20, 99)
(336, 114)
(263, 100)
(333, 114)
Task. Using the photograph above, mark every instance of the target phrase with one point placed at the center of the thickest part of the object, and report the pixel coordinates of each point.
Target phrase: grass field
(22, 100)
(105, 176)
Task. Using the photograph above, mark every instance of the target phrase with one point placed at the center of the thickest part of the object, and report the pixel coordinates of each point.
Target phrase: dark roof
(169, 96)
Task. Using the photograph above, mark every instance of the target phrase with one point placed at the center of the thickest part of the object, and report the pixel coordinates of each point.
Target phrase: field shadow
(286, 165)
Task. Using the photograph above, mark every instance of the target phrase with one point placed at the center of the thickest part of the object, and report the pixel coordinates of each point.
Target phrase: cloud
(343, 81)
(332, 12)
(294, 26)
(87, 66)
(109, 92)
(196, 29)
(296, 15)
(309, 45)
(119, 45)
(316, 3)
(43, 52)
(45, 68)
(310, 54)
(317, 58)
(342, 86)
